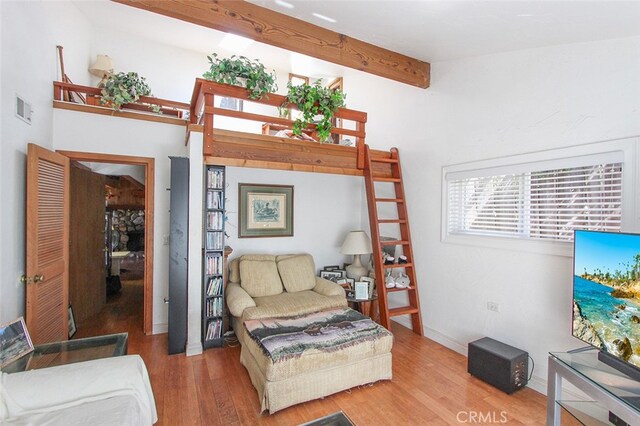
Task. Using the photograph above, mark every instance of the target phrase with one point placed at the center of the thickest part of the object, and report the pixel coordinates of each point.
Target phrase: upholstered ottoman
(292, 360)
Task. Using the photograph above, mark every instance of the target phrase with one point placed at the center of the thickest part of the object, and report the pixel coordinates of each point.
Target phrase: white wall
(29, 34)
(492, 106)
(326, 208)
(73, 131)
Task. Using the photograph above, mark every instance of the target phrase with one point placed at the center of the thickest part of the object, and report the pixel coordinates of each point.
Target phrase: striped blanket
(332, 330)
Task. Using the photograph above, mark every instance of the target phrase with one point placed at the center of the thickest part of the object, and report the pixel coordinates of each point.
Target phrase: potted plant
(243, 72)
(125, 88)
(315, 100)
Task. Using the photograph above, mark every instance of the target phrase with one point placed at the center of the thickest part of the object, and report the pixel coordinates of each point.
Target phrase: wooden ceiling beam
(280, 30)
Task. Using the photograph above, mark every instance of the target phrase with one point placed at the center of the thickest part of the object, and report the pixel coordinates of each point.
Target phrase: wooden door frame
(149, 183)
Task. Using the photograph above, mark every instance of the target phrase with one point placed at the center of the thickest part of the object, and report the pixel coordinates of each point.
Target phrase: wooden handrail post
(57, 92)
(208, 124)
(360, 145)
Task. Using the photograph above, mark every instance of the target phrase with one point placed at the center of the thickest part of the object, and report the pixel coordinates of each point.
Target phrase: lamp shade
(102, 66)
(357, 242)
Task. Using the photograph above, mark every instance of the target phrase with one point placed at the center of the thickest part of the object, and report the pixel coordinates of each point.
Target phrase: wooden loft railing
(173, 112)
(203, 110)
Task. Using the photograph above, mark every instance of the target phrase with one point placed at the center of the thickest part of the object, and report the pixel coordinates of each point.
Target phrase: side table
(70, 351)
(367, 307)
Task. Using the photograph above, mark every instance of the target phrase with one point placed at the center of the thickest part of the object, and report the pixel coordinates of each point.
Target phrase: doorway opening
(125, 237)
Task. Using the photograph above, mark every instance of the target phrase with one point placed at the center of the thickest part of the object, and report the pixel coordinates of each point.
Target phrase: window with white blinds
(541, 204)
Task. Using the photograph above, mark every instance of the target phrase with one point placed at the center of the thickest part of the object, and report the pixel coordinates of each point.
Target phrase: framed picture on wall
(265, 210)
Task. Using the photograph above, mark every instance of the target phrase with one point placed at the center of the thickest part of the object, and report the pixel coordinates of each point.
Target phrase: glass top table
(71, 351)
(612, 390)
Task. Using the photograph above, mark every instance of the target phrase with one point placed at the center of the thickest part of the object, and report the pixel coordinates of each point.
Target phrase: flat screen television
(606, 296)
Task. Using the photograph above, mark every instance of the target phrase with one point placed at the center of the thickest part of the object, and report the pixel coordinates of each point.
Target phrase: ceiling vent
(23, 110)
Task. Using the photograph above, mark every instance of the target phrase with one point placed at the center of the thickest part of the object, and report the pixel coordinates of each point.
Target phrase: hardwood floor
(430, 384)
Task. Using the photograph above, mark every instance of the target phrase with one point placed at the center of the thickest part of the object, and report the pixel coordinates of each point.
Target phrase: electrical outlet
(165, 240)
(493, 306)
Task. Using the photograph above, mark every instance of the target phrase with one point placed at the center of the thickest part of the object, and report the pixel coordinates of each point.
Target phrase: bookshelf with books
(213, 258)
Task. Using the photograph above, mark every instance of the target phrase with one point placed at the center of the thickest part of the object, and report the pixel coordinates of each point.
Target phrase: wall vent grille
(23, 110)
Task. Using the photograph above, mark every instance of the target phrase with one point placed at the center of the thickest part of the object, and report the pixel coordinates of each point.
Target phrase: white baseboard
(194, 348)
(536, 383)
(160, 328)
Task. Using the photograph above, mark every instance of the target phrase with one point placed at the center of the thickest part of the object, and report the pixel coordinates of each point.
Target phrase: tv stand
(611, 391)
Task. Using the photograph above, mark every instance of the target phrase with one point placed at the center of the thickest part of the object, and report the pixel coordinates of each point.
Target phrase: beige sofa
(268, 286)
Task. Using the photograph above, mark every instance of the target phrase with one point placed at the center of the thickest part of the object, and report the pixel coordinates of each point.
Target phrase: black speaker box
(498, 364)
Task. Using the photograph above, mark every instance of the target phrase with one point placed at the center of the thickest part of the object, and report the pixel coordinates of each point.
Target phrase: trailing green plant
(314, 100)
(125, 88)
(241, 71)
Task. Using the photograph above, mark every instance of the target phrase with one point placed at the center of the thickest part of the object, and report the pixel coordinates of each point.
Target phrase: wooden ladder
(413, 308)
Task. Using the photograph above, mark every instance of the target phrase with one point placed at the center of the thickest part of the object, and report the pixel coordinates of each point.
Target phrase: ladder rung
(400, 289)
(384, 160)
(386, 179)
(392, 221)
(394, 243)
(404, 310)
(389, 200)
(398, 265)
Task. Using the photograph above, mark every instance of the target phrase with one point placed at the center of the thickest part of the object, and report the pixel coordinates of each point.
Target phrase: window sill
(550, 248)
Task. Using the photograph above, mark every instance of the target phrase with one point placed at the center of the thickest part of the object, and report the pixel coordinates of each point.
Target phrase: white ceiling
(110, 169)
(428, 30)
(442, 30)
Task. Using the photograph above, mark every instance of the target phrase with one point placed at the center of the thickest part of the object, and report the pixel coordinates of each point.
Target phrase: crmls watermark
(482, 417)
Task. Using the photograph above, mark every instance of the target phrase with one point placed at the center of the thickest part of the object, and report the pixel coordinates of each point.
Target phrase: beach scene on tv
(606, 293)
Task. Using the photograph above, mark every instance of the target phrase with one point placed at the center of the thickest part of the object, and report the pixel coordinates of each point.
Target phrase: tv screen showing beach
(606, 292)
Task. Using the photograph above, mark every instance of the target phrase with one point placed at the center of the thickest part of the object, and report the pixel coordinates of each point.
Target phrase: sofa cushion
(234, 265)
(292, 304)
(297, 272)
(260, 278)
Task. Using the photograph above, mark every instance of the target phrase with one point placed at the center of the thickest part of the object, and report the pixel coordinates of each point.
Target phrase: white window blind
(537, 204)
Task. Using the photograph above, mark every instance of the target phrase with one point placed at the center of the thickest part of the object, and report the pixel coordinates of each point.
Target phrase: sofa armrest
(238, 300)
(328, 288)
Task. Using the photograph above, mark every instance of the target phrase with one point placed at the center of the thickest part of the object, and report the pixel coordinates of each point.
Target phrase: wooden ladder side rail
(413, 309)
(202, 110)
(405, 236)
(375, 241)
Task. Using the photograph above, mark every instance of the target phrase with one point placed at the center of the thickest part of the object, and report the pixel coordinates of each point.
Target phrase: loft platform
(243, 149)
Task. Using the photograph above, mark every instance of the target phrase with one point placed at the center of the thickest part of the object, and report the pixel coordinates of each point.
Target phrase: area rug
(284, 338)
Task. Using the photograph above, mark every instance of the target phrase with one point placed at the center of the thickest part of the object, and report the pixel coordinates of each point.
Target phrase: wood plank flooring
(430, 384)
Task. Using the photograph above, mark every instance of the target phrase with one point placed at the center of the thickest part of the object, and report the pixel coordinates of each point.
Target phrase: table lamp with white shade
(102, 67)
(356, 243)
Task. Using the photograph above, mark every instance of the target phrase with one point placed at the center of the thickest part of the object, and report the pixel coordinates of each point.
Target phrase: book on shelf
(215, 179)
(213, 265)
(214, 329)
(215, 220)
(214, 307)
(215, 240)
(215, 200)
(214, 286)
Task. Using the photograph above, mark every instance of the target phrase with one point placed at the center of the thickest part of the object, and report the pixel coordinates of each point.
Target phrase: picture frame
(15, 341)
(331, 275)
(344, 283)
(372, 285)
(351, 282)
(342, 271)
(331, 268)
(265, 210)
(71, 322)
(361, 289)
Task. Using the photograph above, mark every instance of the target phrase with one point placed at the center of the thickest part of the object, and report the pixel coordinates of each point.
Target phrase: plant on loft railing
(243, 72)
(313, 101)
(125, 88)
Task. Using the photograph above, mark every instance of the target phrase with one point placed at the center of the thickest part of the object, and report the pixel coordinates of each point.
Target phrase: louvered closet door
(47, 245)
